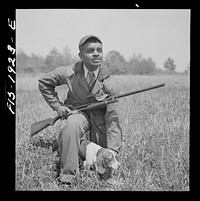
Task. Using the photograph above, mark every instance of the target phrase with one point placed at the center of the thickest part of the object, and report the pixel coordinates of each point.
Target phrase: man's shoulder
(111, 85)
(104, 73)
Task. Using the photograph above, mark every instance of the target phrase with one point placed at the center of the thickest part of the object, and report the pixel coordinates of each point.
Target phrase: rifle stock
(40, 125)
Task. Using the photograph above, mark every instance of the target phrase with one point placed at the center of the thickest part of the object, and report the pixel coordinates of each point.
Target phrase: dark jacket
(104, 121)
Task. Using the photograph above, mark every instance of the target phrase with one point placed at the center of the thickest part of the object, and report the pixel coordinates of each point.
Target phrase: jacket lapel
(81, 76)
(103, 73)
(98, 85)
(82, 81)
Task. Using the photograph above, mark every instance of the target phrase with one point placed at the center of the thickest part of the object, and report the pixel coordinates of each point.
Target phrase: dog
(102, 159)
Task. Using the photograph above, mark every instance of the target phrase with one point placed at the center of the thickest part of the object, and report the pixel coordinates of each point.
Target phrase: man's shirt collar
(86, 71)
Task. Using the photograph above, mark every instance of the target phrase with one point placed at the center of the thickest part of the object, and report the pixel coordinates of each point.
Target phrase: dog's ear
(100, 164)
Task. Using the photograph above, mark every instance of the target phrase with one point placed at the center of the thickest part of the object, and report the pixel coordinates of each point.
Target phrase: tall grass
(155, 151)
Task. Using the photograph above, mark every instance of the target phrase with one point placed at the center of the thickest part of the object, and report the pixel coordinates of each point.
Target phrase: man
(87, 81)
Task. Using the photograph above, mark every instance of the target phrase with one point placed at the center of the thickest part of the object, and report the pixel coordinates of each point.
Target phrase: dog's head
(106, 162)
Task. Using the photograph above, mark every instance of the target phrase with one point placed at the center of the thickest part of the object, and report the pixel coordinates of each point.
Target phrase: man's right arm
(47, 84)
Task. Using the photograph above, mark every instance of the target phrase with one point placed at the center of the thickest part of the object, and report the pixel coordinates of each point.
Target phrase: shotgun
(100, 103)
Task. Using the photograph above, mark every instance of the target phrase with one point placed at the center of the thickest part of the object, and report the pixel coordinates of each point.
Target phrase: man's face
(91, 54)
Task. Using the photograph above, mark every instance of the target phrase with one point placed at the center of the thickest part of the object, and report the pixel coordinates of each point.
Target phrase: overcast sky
(153, 33)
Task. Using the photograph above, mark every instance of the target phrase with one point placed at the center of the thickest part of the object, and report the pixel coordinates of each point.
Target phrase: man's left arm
(112, 116)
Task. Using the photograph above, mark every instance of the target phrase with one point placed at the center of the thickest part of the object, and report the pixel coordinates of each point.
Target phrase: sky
(155, 33)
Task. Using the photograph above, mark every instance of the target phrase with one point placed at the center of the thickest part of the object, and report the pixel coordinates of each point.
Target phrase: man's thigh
(78, 120)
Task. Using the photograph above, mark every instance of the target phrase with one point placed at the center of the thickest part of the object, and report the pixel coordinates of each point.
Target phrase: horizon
(157, 34)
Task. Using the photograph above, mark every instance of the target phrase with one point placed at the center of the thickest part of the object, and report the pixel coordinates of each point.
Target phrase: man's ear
(80, 55)
(99, 165)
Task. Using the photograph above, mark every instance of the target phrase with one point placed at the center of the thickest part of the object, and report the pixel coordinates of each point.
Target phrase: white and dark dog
(103, 159)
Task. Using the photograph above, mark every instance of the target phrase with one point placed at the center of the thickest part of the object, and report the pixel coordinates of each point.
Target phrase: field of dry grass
(155, 152)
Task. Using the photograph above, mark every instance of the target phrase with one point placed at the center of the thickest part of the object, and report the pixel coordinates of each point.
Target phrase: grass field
(156, 142)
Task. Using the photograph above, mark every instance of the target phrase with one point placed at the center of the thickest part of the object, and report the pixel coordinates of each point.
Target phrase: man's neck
(96, 71)
(91, 68)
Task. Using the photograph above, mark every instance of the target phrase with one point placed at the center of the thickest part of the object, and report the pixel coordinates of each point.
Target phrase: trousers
(72, 130)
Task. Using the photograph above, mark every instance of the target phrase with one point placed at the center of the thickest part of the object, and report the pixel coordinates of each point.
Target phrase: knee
(73, 122)
(70, 125)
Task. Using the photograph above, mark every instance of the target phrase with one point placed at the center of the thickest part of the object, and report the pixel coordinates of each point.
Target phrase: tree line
(137, 64)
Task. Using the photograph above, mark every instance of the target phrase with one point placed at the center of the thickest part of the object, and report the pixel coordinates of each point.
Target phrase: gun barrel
(140, 90)
(38, 126)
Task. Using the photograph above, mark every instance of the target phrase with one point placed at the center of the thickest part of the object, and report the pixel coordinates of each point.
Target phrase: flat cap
(85, 38)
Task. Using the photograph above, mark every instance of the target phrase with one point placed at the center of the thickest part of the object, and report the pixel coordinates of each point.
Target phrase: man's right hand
(63, 111)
